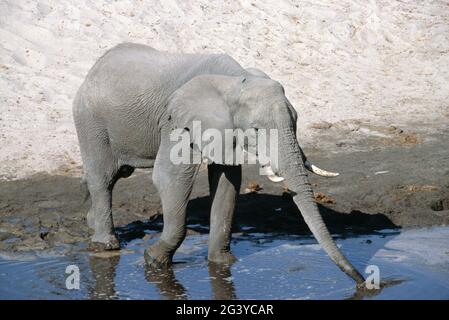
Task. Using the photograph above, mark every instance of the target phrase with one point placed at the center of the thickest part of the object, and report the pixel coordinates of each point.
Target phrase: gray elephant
(135, 96)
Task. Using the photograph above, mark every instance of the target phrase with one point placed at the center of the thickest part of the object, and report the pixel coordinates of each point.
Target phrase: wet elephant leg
(174, 183)
(101, 173)
(224, 184)
(100, 184)
(104, 237)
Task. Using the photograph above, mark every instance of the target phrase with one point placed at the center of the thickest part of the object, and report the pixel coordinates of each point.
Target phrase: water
(414, 264)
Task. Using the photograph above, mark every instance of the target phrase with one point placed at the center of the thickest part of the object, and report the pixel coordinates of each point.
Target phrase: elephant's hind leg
(101, 174)
(100, 214)
(224, 184)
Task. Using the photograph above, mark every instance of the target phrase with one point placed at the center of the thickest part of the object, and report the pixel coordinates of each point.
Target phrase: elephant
(135, 96)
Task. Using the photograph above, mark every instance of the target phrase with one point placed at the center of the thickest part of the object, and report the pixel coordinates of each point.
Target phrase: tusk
(311, 167)
(267, 171)
(275, 178)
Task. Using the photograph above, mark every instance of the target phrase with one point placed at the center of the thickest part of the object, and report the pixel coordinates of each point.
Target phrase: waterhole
(412, 264)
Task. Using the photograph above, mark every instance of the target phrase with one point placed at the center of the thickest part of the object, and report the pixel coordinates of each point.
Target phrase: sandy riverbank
(342, 63)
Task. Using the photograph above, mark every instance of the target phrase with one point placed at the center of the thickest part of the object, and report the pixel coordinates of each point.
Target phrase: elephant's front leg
(174, 183)
(224, 184)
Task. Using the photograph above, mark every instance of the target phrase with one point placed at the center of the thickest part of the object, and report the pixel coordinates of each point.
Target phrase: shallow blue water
(414, 263)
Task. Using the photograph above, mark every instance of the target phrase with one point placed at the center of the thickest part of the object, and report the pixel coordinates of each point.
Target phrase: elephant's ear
(200, 108)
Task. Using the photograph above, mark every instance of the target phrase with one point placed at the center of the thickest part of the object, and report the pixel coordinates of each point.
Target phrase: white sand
(383, 61)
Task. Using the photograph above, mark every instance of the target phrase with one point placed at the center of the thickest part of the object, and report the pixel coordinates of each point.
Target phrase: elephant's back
(125, 92)
(129, 70)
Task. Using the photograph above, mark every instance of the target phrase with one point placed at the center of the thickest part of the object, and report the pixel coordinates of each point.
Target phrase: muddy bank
(384, 186)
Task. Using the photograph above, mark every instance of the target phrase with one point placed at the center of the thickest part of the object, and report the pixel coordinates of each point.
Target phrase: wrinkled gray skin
(134, 96)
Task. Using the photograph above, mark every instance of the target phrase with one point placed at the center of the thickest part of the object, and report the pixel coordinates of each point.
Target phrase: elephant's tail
(84, 189)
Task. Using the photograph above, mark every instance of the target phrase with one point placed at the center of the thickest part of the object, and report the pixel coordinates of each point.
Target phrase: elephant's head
(258, 102)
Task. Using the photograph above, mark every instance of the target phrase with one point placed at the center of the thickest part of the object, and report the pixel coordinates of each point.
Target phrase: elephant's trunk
(292, 168)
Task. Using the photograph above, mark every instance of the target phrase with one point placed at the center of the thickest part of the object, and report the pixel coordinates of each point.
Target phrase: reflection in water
(221, 281)
(171, 289)
(363, 292)
(103, 270)
(413, 264)
(164, 279)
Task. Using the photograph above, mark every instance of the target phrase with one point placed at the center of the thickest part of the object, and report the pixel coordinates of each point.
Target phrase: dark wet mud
(388, 187)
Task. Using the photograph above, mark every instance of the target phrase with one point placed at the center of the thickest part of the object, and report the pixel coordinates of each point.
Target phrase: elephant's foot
(222, 257)
(158, 255)
(104, 243)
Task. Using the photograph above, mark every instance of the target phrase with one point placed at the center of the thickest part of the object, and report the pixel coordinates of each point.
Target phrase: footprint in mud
(440, 205)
